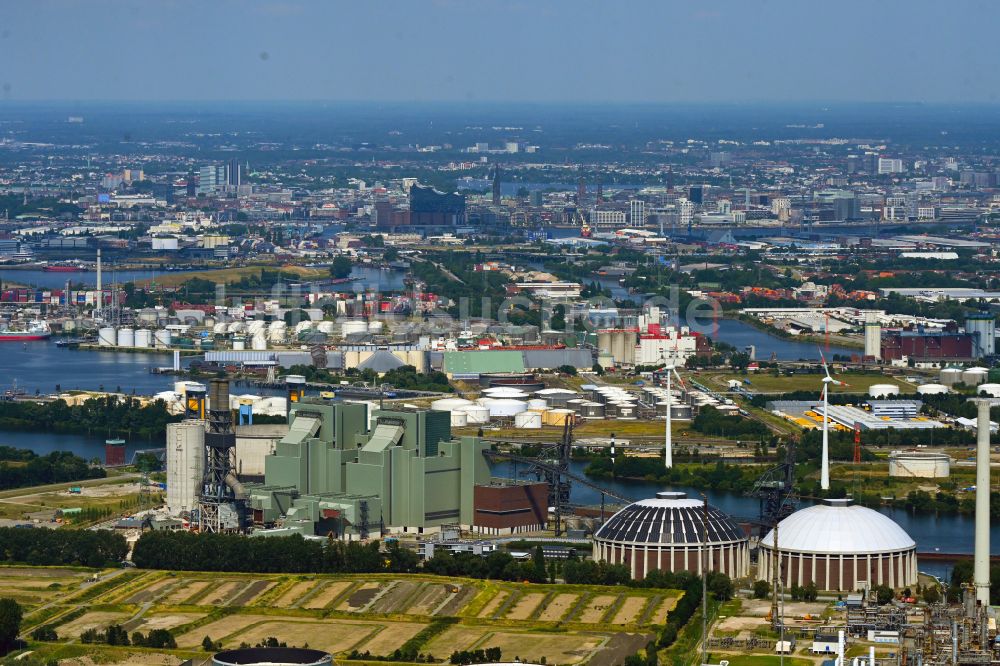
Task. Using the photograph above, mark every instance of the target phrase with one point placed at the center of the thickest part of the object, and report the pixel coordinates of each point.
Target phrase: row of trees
(186, 551)
(711, 421)
(20, 468)
(107, 415)
(117, 635)
(44, 547)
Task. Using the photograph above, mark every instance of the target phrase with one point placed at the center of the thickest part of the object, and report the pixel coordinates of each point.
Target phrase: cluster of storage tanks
(968, 376)
(258, 335)
(142, 338)
(553, 406)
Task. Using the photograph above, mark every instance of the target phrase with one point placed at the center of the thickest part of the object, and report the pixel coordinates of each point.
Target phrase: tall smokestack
(981, 572)
(99, 299)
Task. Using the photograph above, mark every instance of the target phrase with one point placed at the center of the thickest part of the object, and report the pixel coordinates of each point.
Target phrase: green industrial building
(339, 473)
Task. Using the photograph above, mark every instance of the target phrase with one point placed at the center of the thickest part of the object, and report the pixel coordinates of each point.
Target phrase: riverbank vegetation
(111, 416)
(21, 468)
(46, 547)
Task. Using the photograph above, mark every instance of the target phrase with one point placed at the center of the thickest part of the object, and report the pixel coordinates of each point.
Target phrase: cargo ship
(36, 330)
(63, 269)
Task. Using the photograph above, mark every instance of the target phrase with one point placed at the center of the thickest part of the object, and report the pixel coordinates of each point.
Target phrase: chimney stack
(981, 572)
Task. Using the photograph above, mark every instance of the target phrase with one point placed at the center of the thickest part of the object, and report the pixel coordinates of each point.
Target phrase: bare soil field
(294, 593)
(185, 591)
(127, 659)
(393, 600)
(432, 596)
(92, 620)
(660, 614)
(390, 638)
(220, 629)
(323, 598)
(150, 592)
(255, 589)
(330, 636)
(458, 601)
(221, 594)
(360, 597)
(557, 607)
(457, 637)
(493, 605)
(165, 621)
(525, 606)
(556, 648)
(596, 608)
(630, 610)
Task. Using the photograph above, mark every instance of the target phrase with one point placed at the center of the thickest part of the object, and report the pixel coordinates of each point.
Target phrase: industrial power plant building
(344, 473)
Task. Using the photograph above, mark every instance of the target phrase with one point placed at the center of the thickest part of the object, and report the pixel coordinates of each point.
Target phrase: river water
(367, 278)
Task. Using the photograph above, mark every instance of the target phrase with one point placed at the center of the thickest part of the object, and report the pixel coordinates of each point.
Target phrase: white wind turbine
(824, 474)
(668, 453)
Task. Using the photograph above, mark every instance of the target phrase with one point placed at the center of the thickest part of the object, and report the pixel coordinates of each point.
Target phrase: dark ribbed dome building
(665, 533)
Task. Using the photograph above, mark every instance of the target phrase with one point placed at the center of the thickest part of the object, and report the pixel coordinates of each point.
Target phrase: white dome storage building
(883, 390)
(505, 407)
(932, 389)
(665, 533)
(840, 547)
(992, 390)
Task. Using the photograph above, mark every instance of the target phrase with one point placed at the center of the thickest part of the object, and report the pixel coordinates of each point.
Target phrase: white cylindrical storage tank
(932, 389)
(917, 464)
(450, 404)
(476, 414)
(459, 419)
(325, 327)
(504, 392)
(950, 376)
(354, 326)
(992, 390)
(220, 328)
(626, 412)
(593, 410)
(276, 324)
(576, 404)
(537, 403)
(255, 327)
(375, 327)
(502, 407)
(208, 322)
(974, 376)
(237, 327)
(528, 420)
(239, 343)
(303, 325)
(106, 337)
(126, 337)
(259, 341)
(484, 402)
(163, 338)
(883, 390)
(277, 336)
(144, 338)
(185, 453)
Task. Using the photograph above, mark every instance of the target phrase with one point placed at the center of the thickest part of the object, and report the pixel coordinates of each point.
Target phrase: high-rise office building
(637, 213)
(696, 194)
(234, 174)
(211, 179)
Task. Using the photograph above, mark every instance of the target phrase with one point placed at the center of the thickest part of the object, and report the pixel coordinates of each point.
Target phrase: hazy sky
(503, 50)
